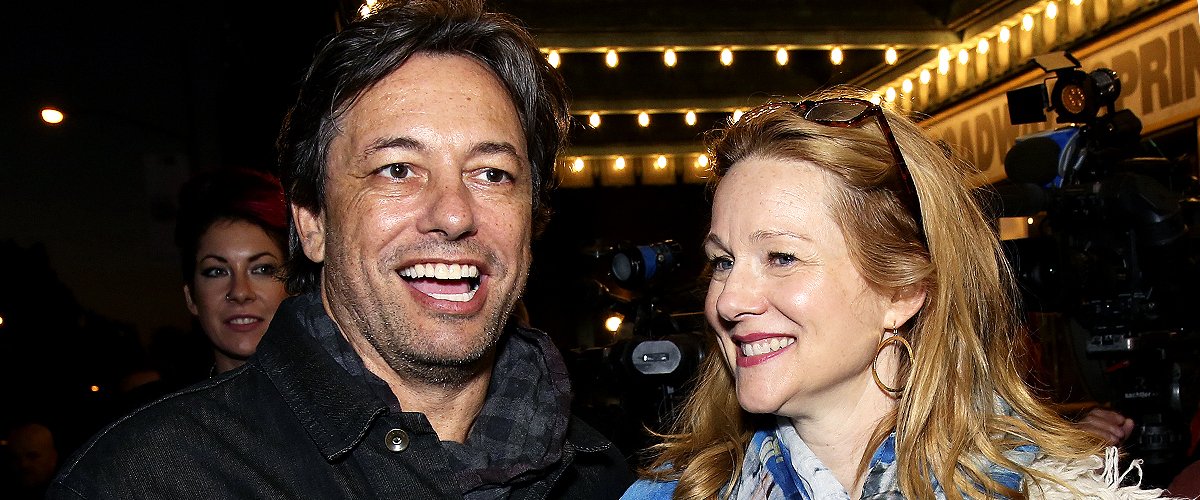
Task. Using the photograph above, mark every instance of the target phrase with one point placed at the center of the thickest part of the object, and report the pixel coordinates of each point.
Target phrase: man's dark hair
(369, 50)
(227, 195)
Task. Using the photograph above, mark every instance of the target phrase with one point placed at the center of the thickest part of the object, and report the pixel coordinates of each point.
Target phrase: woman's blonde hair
(966, 339)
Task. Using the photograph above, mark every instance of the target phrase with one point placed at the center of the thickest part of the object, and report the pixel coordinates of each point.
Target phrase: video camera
(1114, 253)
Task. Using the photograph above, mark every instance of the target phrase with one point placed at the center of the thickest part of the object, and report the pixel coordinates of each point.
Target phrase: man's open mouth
(453, 282)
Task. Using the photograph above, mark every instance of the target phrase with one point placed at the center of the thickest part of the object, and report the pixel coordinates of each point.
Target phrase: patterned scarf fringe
(1092, 477)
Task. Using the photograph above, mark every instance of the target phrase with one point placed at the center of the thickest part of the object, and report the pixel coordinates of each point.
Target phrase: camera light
(554, 58)
(1005, 34)
(594, 120)
(906, 86)
(52, 116)
(577, 165)
(644, 119)
(726, 56)
(835, 56)
(890, 56)
(613, 323)
(781, 56)
(669, 58)
(611, 58)
(690, 118)
(925, 77)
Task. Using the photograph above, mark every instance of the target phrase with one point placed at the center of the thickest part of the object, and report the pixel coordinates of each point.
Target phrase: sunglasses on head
(851, 112)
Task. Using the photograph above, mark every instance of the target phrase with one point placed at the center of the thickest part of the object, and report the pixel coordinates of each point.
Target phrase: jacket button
(396, 440)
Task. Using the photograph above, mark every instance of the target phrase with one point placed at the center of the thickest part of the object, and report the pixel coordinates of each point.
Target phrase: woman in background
(866, 321)
(231, 235)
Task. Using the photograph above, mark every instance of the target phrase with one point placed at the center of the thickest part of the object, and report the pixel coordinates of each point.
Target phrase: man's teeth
(767, 345)
(454, 297)
(441, 271)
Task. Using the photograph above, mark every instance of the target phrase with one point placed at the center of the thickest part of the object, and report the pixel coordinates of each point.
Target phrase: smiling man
(417, 162)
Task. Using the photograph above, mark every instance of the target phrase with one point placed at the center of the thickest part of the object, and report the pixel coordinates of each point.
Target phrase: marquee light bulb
(781, 56)
(661, 162)
(594, 120)
(890, 56)
(669, 58)
(577, 165)
(906, 86)
(554, 58)
(619, 163)
(1027, 22)
(925, 76)
(690, 118)
(726, 56)
(1005, 34)
(52, 116)
(644, 119)
(836, 56)
(611, 58)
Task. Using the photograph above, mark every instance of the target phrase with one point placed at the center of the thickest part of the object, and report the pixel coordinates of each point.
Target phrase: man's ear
(311, 228)
(191, 304)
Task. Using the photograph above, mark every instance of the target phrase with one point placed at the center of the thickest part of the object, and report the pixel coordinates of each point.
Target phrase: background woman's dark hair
(369, 50)
(227, 195)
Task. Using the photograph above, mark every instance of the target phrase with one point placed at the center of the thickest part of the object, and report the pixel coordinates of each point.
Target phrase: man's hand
(1108, 425)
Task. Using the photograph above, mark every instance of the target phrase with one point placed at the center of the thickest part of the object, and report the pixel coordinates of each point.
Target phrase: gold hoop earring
(895, 338)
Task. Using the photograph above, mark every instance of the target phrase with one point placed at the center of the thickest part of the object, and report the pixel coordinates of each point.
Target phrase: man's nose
(450, 211)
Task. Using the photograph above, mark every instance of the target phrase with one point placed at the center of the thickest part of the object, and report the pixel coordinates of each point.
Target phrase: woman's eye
(268, 269)
(781, 259)
(720, 264)
(496, 176)
(396, 170)
(213, 272)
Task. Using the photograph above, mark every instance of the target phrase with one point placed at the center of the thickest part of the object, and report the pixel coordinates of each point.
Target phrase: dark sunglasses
(850, 112)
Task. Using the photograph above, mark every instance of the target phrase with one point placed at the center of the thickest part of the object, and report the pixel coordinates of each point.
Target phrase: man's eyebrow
(392, 143)
(494, 148)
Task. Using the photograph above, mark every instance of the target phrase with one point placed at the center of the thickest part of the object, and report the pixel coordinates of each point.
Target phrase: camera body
(1114, 253)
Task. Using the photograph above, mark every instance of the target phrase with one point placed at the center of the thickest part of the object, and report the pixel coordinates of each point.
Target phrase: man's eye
(396, 170)
(496, 176)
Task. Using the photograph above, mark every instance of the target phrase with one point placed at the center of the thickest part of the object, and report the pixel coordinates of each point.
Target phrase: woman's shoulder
(650, 489)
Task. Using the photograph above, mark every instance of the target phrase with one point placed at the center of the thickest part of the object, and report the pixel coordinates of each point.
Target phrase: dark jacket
(294, 423)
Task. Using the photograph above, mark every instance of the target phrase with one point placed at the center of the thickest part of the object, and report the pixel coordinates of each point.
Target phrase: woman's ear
(906, 302)
(191, 304)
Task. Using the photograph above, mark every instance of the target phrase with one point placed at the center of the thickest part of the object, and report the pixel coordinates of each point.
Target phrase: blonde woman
(865, 319)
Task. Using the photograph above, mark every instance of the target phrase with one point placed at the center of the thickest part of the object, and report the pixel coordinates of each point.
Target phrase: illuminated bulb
(925, 76)
(1051, 10)
(963, 56)
(52, 116)
(1005, 34)
(95, 388)
(890, 94)
(1076, 2)
(554, 58)
(889, 56)
(726, 56)
(983, 46)
(1029, 221)
(835, 56)
(702, 161)
(875, 99)
(781, 56)
(611, 58)
(944, 54)
(619, 163)
(1027, 22)
(644, 119)
(661, 162)
(577, 165)
(690, 118)
(943, 67)
(613, 323)
(594, 120)
(737, 115)
(371, 3)
(1, 320)
(669, 58)
(363, 12)
(906, 86)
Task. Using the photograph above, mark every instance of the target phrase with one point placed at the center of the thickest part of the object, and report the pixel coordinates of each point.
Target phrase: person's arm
(1109, 425)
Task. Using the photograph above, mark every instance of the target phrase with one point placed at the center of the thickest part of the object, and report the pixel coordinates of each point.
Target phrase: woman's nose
(240, 290)
(740, 296)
